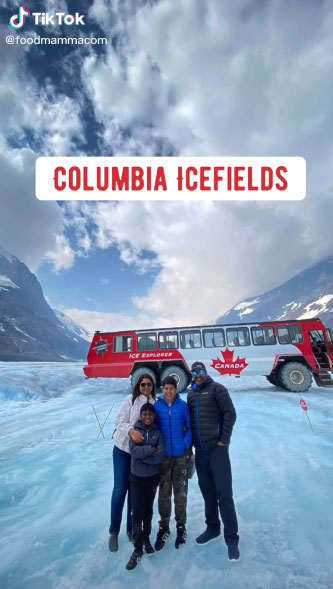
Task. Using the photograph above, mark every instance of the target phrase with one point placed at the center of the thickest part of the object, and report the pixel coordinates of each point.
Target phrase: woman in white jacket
(144, 391)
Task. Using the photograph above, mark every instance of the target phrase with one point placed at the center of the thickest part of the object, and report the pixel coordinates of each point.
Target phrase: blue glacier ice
(56, 480)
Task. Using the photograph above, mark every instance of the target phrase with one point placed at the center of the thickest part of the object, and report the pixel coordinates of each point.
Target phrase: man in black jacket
(212, 419)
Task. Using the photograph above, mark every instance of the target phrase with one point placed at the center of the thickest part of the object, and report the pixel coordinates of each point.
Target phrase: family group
(153, 447)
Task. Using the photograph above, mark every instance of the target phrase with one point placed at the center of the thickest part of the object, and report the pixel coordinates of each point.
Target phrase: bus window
(123, 343)
(263, 336)
(290, 334)
(213, 338)
(295, 333)
(283, 334)
(168, 340)
(238, 336)
(317, 339)
(317, 335)
(147, 341)
(190, 339)
(329, 340)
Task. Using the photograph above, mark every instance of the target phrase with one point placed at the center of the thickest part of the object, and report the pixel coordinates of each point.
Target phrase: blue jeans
(121, 486)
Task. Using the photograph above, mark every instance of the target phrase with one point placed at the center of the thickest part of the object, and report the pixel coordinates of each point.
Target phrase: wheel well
(284, 360)
(154, 366)
(174, 363)
(158, 367)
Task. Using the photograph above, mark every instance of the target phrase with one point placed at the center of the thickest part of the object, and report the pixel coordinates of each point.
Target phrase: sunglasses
(198, 372)
(146, 384)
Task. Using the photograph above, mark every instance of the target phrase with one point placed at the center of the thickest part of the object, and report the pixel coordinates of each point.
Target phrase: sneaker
(162, 535)
(130, 535)
(133, 561)
(181, 536)
(233, 553)
(210, 533)
(148, 548)
(113, 542)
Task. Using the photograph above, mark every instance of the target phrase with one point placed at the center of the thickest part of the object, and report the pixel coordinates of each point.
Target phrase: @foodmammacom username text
(21, 40)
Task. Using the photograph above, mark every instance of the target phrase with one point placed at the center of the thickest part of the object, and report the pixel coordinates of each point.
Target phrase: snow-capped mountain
(309, 294)
(29, 328)
(69, 324)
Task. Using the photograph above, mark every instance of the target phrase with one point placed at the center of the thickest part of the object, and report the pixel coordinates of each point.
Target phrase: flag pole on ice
(107, 417)
(305, 408)
(102, 426)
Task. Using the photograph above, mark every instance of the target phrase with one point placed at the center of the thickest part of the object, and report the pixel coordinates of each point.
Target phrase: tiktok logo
(46, 19)
(17, 20)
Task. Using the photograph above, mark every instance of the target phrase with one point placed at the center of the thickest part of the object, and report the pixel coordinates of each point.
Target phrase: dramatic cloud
(62, 255)
(32, 113)
(94, 321)
(238, 79)
(34, 120)
(28, 227)
(210, 255)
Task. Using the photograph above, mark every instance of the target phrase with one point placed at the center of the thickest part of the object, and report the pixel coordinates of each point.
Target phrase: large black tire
(295, 377)
(181, 376)
(272, 378)
(139, 372)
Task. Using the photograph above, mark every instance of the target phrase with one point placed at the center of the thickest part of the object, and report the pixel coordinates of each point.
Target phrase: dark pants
(121, 486)
(215, 482)
(173, 477)
(143, 491)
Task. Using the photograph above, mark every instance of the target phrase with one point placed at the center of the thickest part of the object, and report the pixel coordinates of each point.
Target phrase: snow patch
(67, 323)
(288, 308)
(246, 304)
(6, 283)
(292, 306)
(245, 312)
(24, 333)
(321, 305)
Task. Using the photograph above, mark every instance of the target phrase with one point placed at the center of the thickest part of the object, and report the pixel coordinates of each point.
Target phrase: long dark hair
(136, 390)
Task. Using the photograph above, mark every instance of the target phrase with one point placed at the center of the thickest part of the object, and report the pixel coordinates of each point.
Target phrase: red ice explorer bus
(288, 353)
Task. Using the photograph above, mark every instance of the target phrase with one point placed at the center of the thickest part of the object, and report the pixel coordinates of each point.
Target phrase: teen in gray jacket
(146, 458)
(144, 391)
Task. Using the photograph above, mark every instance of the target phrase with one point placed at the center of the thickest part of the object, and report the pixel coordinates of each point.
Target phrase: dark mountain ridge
(29, 328)
(306, 295)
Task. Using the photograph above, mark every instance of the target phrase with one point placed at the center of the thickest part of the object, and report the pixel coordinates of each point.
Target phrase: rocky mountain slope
(29, 329)
(309, 294)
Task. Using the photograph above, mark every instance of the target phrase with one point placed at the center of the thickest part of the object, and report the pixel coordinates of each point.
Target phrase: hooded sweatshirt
(144, 461)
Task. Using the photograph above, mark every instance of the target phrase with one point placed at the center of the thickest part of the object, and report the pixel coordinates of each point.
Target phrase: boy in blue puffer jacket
(173, 420)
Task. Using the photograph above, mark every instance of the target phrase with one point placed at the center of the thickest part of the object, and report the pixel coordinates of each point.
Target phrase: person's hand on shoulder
(136, 436)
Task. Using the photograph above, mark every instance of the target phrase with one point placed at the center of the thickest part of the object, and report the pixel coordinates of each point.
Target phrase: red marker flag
(305, 408)
(303, 405)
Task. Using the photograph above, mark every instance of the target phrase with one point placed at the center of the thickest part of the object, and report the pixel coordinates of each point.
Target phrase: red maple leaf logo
(228, 365)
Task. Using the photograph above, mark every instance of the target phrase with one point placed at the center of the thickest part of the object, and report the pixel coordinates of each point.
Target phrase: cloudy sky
(192, 77)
